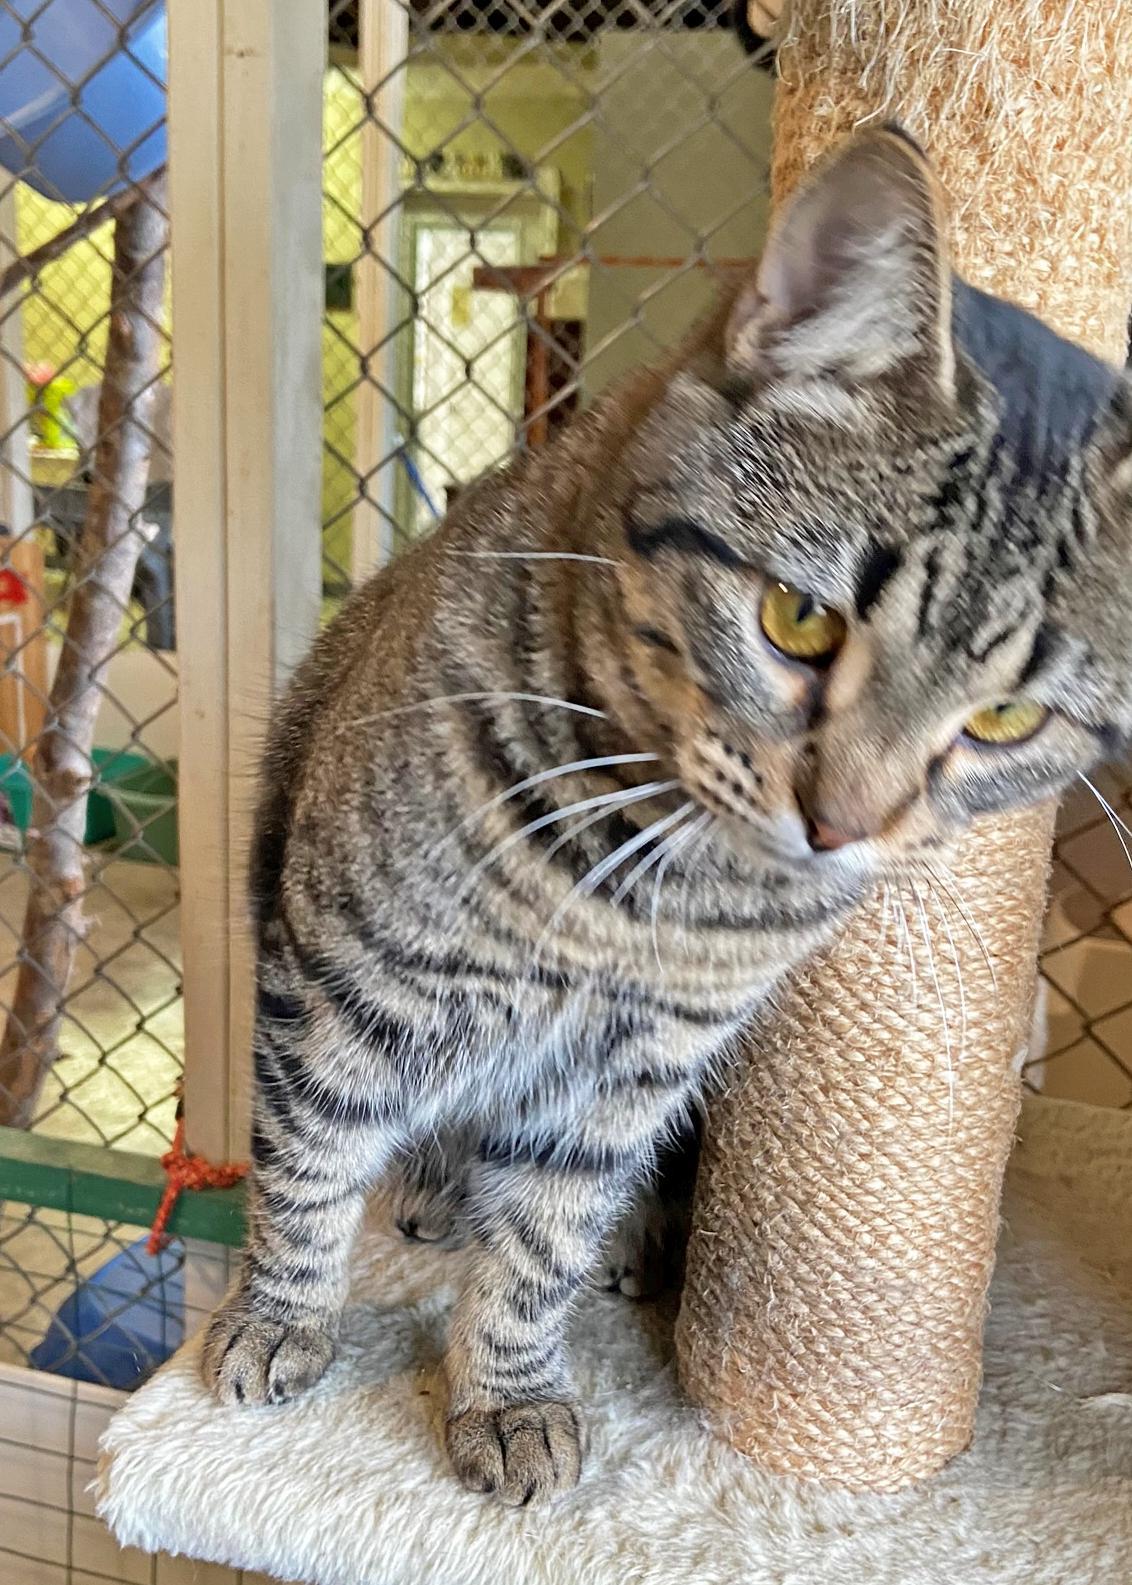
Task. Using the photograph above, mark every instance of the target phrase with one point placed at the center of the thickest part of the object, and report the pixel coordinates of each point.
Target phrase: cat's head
(877, 539)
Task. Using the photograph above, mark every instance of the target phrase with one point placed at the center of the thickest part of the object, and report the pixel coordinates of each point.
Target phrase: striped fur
(532, 845)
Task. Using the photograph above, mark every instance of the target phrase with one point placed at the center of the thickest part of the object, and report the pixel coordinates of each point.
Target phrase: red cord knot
(186, 1171)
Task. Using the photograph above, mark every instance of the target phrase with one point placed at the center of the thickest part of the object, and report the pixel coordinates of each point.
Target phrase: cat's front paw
(249, 1359)
(523, 1453)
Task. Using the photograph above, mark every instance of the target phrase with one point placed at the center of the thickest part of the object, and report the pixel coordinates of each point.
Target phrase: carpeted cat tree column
(847, 1210)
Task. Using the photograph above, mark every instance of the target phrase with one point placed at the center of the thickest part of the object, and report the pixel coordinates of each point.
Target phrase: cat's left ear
(854, 281)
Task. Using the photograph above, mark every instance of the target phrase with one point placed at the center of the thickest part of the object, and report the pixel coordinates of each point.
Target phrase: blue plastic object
(48, 53)
(120, 1324)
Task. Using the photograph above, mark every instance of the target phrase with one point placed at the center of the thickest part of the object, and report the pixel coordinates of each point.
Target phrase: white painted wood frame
(245, 135)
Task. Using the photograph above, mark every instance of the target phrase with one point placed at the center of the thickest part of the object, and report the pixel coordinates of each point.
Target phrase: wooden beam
(117, 1185)
(245, 128)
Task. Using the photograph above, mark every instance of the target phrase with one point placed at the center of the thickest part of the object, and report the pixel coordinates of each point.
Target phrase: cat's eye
(799, 627)
(1012, 721)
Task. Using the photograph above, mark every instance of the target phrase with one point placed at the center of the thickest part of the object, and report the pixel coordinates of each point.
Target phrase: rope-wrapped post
(847, 1208)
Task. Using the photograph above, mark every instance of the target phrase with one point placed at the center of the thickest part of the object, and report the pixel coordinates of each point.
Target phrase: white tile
(35, 1409)
(1115, 1032)
(37, 1532)
(33, 1474)
(1098, 858)
(1073, 910)
(96, 1549)
(1084, 1073)
(1096, 973)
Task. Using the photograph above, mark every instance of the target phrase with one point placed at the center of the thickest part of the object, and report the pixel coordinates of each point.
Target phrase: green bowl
(133, 803)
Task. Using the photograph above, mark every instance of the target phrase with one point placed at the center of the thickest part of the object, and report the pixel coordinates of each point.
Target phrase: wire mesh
(82, 1299)
(527, 198)
(74, 165)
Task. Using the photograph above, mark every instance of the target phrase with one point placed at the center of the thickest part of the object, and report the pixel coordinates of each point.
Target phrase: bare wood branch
(54, 922)
(30, 264)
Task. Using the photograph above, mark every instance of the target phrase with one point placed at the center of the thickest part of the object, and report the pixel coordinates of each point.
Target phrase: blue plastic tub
(54, 148)
(123, 1321)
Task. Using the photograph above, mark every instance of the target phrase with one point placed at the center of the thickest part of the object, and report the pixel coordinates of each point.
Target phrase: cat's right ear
(854, 281)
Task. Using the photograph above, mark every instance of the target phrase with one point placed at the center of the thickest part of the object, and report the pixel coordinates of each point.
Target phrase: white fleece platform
(349, 1487)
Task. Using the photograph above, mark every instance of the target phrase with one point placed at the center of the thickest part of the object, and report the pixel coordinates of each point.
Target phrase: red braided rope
(186, 1171)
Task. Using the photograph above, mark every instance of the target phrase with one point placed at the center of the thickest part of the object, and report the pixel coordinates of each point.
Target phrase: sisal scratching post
(847, 1208)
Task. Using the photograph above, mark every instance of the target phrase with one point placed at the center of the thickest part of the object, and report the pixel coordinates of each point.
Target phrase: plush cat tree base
(349, 1487)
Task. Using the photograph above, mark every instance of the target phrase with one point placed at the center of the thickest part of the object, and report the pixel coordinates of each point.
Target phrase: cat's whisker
(594, 876)
(604, 803)
(689, 833)
(500, 695)
(925, 933)
(939, 901)
(940, 910)
(643, 867)
(953, 892)
(537, 780)
(574, 831)
(945, 897)
(536, 555)
(1114, 819)
(906, 936)
(886, 904)
(681, 909)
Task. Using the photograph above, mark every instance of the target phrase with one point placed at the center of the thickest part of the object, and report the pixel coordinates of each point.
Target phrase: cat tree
(833, 1311)
(847, 1209)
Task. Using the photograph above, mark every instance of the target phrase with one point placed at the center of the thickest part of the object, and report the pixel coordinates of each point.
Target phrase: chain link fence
(91, 1052)
(87, 536)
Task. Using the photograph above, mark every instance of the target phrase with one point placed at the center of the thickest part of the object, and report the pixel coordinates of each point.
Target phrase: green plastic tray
(134, 803)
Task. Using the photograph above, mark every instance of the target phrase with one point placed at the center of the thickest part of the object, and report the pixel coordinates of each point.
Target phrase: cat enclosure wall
(410, 239)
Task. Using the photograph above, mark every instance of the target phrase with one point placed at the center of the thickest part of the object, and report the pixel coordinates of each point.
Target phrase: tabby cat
(562, 793)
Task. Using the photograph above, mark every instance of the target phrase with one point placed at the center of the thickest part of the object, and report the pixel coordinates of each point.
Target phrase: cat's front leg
(316, 1150)
(541, 1205)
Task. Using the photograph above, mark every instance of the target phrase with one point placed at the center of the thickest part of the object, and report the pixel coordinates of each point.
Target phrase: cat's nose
(826, 838)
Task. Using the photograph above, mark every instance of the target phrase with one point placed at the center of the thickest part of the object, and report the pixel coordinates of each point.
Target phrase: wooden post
(245, 127)
(54, 921)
